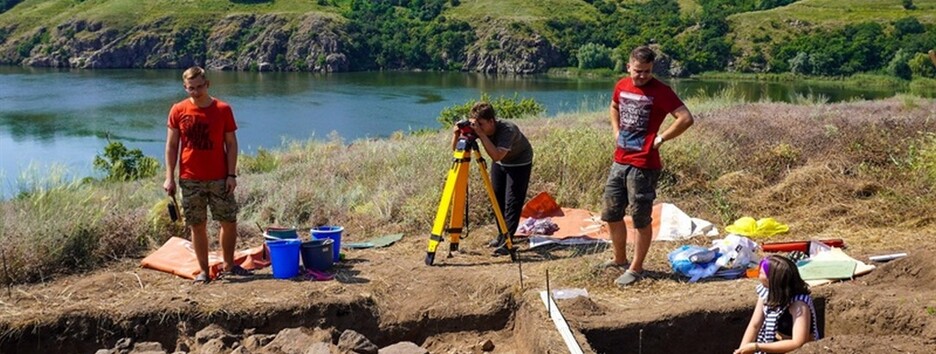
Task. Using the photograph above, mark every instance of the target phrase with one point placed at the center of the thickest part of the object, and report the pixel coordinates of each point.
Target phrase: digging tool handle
(173, 209)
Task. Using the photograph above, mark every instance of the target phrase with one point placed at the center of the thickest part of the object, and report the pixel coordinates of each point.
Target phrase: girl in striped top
(785, 317)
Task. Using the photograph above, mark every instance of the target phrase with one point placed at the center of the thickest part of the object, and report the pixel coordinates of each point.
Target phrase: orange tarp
(581, 222)
(177, 257)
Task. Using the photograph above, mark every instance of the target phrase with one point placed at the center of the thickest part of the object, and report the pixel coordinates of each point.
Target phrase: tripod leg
(459, 206)
(452, 188)
(501, 224)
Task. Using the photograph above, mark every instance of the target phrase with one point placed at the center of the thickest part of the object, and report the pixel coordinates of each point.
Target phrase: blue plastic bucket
(317, 254)
(284, 257)
(332, 232)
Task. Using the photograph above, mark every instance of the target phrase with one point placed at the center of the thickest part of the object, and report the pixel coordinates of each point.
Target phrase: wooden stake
(548, 293)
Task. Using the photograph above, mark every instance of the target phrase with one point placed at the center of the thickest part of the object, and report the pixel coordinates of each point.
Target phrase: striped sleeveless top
(768, 330)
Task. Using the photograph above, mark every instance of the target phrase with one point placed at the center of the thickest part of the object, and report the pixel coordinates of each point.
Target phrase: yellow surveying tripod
(454, 196)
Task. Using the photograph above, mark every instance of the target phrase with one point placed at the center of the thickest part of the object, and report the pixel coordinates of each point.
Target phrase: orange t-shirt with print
(201, 136)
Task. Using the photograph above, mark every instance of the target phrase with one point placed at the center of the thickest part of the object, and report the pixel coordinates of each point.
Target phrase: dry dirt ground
(389, 295)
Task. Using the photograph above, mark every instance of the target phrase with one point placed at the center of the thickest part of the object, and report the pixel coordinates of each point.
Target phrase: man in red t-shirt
(638, 108)
(201, 139)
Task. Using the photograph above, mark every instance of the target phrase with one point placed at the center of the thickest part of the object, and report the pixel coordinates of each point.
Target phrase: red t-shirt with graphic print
(201, 135)
(642, 110)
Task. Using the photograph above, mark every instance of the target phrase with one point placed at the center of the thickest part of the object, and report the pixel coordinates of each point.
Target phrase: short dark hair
(482, 110)
(643, 54)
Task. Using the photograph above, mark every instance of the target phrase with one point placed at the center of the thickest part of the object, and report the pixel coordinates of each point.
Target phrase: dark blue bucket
(317, 254)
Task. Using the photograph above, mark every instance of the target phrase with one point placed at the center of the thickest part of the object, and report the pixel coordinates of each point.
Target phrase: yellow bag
(762, 228)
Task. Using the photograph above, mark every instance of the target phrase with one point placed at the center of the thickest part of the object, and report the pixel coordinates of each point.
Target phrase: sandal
(610, 264)
(315, 275)
(629, 277)
(239, 271)
(201, 278)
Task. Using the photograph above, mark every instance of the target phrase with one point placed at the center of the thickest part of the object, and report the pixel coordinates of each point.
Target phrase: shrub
(898, 65)
(263, 161)
(122, 164)
(593, 56)
(506, 108)
(800, 64)
(921, 66)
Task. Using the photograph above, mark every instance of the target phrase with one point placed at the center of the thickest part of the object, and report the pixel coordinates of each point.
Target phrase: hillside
(491, 36)
(805, 16)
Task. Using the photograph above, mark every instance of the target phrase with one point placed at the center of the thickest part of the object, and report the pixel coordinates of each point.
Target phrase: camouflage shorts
(198, 196)
(630, 189)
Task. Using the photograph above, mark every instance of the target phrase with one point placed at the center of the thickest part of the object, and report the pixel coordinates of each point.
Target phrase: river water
(63, 118)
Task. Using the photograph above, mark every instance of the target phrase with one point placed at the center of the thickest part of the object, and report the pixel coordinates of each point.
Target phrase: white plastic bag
(736, 251)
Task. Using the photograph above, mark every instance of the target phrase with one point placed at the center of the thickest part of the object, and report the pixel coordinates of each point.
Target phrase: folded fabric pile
(533, 226)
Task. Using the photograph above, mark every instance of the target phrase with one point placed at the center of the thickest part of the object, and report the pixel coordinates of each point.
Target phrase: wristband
(232, 175)
(659, 140)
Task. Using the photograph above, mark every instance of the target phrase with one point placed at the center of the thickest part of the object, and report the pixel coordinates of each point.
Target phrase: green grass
(689, 7)
(857, 80)
(128, 13)
(521, 10)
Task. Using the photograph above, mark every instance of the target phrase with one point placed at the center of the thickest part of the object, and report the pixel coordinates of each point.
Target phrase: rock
(241, 350)
(487, 345)
(319, 348)
(324, 335)
(214, 346)
(257, 341)
(123, 344)
(511, 48)
(148, 348)
(213, 331)
(351, 341)
(403, 348)
(318, 43)
(292, 341)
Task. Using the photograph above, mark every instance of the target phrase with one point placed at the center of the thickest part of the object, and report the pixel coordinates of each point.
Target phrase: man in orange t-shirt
(201, 138)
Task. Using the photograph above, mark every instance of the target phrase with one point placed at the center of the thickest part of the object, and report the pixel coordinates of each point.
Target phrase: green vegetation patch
(522, 10)
(804, 16)
(129, 13)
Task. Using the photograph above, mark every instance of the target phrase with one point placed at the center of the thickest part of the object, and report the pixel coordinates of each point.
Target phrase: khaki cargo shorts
(198, 196)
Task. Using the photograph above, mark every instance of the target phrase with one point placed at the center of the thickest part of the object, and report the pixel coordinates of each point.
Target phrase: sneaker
(501, 251)
(497, 242)
(629, 277)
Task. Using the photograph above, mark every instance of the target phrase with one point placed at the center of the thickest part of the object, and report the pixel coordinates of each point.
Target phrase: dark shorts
(198, 196)
(630, 189)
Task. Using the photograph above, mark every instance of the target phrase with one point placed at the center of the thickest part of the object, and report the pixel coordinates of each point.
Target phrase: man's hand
(169, 186)
(230, 184)
(657, 142)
